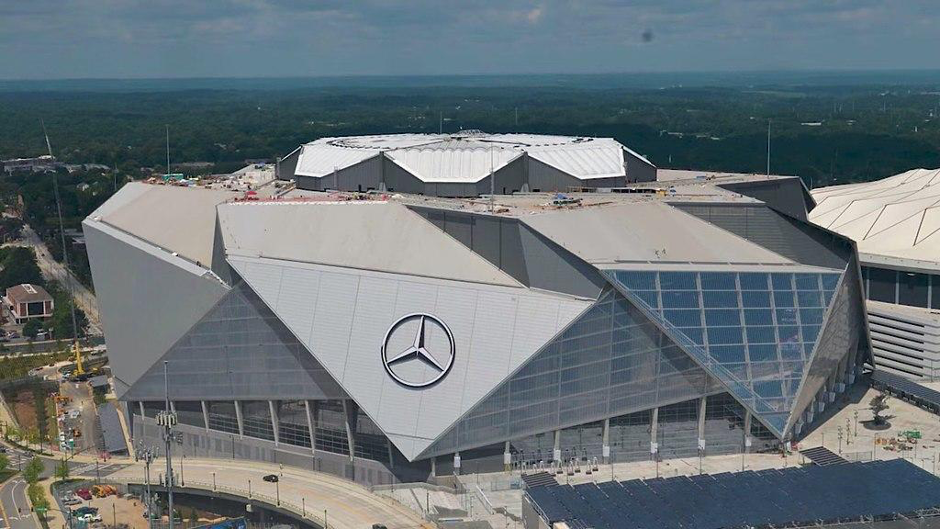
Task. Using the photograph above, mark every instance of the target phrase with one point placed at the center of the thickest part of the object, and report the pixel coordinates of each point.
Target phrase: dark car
(271, 478)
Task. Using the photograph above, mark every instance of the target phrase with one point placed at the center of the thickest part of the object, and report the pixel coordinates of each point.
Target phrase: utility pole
(65, 256)
(146, 454)
(167, 419)
(768, 166)
(168, 165)
(491, 179)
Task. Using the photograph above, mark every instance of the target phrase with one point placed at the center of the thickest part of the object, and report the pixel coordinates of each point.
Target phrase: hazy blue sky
(226, 38)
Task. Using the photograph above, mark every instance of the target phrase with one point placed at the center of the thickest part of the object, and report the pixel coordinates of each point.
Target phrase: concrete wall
(289, 165)
(782, 195)
(639, 169)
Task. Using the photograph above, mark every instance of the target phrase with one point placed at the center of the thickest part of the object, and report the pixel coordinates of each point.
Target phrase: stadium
(894, 222)
(397, 336)
(461, 165)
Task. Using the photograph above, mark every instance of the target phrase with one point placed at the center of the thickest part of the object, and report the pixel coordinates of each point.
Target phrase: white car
(75, 414)
(89, 517)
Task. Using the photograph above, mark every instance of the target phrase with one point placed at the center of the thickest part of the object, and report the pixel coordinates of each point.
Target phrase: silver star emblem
(419, 349)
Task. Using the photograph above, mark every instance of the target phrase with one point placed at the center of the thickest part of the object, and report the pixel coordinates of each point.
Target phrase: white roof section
(377, 236)
(893, 218)
(178, 219)
(465, 157)
(651, 232)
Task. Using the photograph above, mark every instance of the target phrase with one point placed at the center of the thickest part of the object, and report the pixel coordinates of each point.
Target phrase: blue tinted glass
(792, 351)
(753, 281)
(783, 299)
(650, 298)
(811, 316)
(758, 317)
(677, 281)
(717, 280)
(720, 299)
(762, 353)
(786, 316)
(808, 349)
(637, 280)
(727, 353)
(694, 334)
(830, 281)
(683, 317)
(768, 389)
(724, 335)
(811, 332)
(680, 300)
(827, 296)
(756, 299)
(788, 334)
(723, 317)
(760, 335)
(739, 370)
(808, 298)
(781, 282)
(806, 281)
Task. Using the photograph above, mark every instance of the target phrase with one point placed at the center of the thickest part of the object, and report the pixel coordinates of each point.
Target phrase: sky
(64, 39)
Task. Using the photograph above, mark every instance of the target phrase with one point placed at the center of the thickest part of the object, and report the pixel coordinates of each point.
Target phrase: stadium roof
(465, 157)
(893, 219)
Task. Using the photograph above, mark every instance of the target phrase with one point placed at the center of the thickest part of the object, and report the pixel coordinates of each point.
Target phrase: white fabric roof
(896, 217)
(465, 157)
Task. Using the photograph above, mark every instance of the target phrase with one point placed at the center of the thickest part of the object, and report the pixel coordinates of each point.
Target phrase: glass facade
(678, 430)
(629, 436)
(901, 287)
(222, 416)
(611, 361)
(190, 412)
(292, 423)
(330, 427)
(755, 331)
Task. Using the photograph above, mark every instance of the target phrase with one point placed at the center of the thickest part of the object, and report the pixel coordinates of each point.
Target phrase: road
(53, 270)
(15, 507)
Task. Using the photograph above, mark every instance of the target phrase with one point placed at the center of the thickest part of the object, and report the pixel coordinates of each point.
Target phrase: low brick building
(29, 301)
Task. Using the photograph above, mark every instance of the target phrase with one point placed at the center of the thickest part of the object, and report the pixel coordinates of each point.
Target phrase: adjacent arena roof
(466, 157)
(895, 218)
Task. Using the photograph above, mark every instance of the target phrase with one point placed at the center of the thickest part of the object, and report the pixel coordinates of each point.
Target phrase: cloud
(154, 38)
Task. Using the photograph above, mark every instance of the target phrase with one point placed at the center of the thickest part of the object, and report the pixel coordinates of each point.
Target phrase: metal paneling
(491, 325)
(146, 297)
(785, 195)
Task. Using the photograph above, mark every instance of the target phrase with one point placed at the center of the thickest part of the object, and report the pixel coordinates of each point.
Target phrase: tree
(62, 470)
(879, 404)
(4, 462)
(31, 329)
(33, 470)
(18, 266)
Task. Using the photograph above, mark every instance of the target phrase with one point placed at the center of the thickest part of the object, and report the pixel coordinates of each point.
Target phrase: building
(407, 336)
(29, 301)
(894, 222)
(459, 165)
(43, 163)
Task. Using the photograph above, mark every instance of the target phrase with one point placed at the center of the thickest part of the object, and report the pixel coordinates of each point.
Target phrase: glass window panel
(723, 317)
(758, 317)
(786, 316)
(650, 298)
(725, 335)
(680, 300)
(717, 280)
(781, 281)
(739, 371)
(807, 298)
(638, 280)
(882, 285)
(683, 317)
(793, 351)
(768, 389)
(720, 299)
(829, 281)
(811, 332)
(913, 289)
(788, 333)
(694, 334)
(806, 281)
(727, 353)
(677, 281)
(812, 316)
(827, 297)
(762, 353)
(753, 281)
(756, 299)
(783, 298)
(760, 335)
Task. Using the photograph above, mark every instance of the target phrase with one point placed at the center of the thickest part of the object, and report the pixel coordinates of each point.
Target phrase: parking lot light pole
(213, 481)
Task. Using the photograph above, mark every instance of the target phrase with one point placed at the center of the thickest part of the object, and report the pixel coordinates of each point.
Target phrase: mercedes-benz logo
(418, 350)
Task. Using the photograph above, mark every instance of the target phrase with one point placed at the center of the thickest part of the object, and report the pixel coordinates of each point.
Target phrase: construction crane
(76, 348)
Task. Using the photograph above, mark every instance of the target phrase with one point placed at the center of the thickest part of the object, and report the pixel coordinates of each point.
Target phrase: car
(13, 335)
(71, 500)
(75, 414)
(85, 510)
(84, 494)
(3, 450)
(89, 518)
(271, 478)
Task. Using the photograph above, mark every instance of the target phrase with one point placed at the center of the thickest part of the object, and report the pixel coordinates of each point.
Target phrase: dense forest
(824, 133)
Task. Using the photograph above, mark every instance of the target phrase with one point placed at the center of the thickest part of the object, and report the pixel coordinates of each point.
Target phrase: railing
(300, 510)
(483, 499)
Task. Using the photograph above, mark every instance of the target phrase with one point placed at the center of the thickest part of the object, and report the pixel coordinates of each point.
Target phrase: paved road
(52, 269)
(348, 505)
(15, 507)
